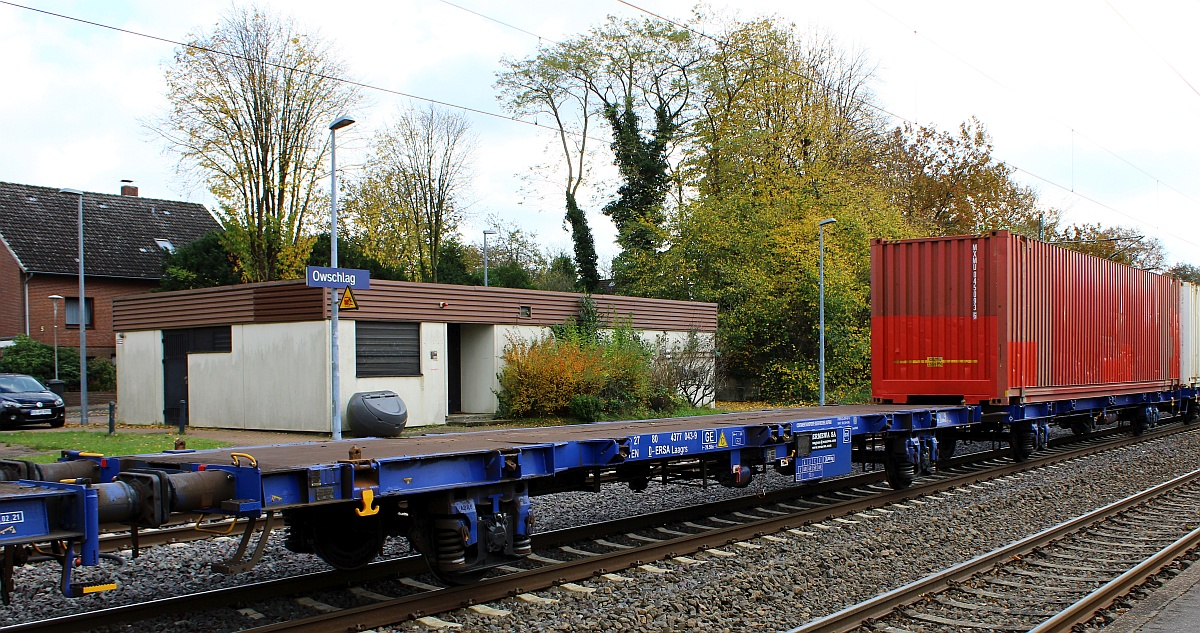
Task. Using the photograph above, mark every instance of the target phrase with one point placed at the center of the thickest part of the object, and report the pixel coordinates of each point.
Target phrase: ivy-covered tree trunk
(585, 246)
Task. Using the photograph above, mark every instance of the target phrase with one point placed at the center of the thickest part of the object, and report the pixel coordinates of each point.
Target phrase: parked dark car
(24, 400)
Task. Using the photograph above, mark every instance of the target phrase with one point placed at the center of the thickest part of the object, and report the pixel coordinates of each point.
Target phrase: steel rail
(419, 605)
(1105, 596)
(854, 616)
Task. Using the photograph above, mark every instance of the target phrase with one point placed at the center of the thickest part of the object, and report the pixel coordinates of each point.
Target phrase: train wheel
(946, 448)
(1021, 442)
(1142, 419)
(899, 468)
(348, 544)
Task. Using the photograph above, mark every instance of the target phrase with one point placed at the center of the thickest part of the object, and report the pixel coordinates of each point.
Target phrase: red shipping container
(1001, 318)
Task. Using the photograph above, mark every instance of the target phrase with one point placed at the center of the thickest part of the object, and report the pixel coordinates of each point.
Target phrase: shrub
(685, 370)
(586, 408)
(543, 377)
(102, 374)
(32, 357)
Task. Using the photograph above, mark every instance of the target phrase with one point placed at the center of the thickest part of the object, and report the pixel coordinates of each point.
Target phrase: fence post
(183, 417)
(112, 417)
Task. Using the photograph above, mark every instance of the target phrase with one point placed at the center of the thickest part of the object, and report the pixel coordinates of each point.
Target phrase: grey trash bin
(377, 414)
(59, 387)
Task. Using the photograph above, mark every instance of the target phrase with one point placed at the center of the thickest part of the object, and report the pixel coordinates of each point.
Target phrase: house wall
(140, 388)
(277, 375)
(275, 378)
(12, 315)
(101, 339)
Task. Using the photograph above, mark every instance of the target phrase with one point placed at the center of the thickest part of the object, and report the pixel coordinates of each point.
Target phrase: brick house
(124, 238)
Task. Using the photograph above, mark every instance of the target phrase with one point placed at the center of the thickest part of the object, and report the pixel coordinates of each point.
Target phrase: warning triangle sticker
(721, 443)
(347, 302)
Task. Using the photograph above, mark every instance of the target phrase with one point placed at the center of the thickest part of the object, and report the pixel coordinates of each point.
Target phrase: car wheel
(57, 424)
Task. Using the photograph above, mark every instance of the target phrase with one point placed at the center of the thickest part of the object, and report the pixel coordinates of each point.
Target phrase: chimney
(127, 189)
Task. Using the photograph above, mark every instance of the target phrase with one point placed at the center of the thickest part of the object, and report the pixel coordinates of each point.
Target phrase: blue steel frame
(479, 475)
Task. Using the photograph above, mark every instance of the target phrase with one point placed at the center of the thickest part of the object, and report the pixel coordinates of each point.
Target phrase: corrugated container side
(1086, 321)
(994, 317)
(1189, 334)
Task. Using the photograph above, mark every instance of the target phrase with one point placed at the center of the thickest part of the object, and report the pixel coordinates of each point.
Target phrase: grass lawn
(99, 442)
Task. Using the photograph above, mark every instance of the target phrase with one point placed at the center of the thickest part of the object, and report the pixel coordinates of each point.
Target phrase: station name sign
(323, 277)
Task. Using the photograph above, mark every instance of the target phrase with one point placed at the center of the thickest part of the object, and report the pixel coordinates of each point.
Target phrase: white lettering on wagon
(12, 517)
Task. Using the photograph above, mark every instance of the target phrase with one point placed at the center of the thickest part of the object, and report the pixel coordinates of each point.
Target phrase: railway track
(631, 542)
(1049, 582)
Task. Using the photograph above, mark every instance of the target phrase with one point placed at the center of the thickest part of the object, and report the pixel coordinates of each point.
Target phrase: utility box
(377, 414)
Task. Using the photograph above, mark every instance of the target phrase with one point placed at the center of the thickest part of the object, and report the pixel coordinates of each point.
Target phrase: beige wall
(480, 360)
(140, 387)
(424, 395)
(275, 378)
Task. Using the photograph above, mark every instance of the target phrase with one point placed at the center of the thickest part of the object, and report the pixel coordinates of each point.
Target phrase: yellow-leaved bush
(542, 376)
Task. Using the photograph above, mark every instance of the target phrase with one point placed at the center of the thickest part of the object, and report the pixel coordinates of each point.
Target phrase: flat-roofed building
(257, 356)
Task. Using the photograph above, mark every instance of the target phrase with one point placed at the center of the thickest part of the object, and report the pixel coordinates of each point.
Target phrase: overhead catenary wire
(1160, 55)
(351, 82)
(1073, 129)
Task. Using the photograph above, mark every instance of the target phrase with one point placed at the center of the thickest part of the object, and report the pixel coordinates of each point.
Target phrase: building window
(165, 244)
(387, 349)
(212, 339)
(526, 311)
(72, 305)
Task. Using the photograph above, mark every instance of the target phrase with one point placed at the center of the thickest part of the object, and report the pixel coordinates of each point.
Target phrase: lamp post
(486, 233)
(821, 279)
(340, 123)
(55, 299)
(83, 319)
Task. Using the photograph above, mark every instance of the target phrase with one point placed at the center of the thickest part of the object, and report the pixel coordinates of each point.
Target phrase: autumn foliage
(580, 368)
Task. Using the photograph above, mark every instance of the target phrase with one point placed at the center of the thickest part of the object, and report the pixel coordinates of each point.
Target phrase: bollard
(112, 417)
(182, 417)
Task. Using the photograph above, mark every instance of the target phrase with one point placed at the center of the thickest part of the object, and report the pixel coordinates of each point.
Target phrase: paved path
(1172, 608)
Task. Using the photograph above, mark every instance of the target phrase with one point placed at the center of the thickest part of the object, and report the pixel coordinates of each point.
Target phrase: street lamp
(55, 299)
(821, 278)
(83, 320)
(486, 233)
(340, 123)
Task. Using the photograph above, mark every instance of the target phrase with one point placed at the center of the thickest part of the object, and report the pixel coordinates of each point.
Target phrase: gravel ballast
(782, 585)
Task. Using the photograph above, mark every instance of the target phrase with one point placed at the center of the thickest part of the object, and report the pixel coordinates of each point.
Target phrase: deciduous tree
(544, 86)
(1117, 243)
(203, 263)
(410, 198)
(250, 102)
(949, 184)
(1186, 272)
